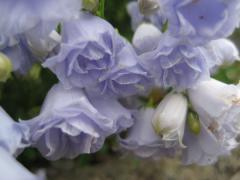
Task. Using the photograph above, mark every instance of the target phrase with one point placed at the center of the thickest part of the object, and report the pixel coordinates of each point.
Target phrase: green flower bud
(5, 67)
(194, 123)
(90, 5)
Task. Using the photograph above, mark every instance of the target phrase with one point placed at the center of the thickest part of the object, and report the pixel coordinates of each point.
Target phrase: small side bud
(91, 5)
(5, 67)
(147, 7)
(194, 123)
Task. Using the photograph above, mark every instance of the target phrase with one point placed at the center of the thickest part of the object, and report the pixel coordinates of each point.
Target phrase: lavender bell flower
(13, 137)
(218, 107)
(200, 21)
(10, 169)
(93, 54)
(196, 21)
(171, 62)
(143, 140)
(72, 122)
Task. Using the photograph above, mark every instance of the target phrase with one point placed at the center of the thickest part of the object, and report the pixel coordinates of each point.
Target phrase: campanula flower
(172, 63)
(72, 122)
(218, 107)
(93, 54)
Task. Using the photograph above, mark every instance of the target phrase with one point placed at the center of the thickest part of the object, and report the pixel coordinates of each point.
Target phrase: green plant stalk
(101, 8)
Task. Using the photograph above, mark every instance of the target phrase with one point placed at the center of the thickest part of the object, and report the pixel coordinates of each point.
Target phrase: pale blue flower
(174, 64)
(218, 107)
(72, 122)
(196, 21)
(202, 20)
(94, 55)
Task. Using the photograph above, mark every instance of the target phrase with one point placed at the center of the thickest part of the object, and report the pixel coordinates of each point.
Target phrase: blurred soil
(130, 168)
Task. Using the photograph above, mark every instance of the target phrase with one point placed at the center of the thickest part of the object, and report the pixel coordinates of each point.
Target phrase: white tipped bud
(91, 5)
(170, 117)
(147, 7)
(146, 38)
(5, 67)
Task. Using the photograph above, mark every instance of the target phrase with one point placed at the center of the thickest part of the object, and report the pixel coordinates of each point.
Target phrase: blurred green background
(22, 97)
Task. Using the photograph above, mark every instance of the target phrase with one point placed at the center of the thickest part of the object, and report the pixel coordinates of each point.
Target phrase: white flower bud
(146, 38)
(170, 117)
(5, 67)
(148, 7)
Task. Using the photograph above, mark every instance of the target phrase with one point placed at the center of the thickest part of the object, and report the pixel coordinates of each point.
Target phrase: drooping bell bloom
(171, 62)
(217, 102)
(201, 20)
(72, 122)
(93, 54)
(218, 107)
(143, 140)
(195, 21)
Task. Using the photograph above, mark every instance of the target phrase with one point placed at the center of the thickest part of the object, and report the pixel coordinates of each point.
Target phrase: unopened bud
(194, 123)
(148, 7)
(170, 117)
(5, 67)
(91, 5)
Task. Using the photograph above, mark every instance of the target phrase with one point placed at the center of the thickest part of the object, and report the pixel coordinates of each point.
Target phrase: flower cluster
(177, 45)
(180, 51)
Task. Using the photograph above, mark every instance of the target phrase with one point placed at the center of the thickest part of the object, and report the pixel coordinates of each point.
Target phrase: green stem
(101, 8)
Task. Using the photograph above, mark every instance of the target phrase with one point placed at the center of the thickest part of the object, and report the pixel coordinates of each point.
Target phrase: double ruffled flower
(73, 122)
(171, 62)
(94, 55)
